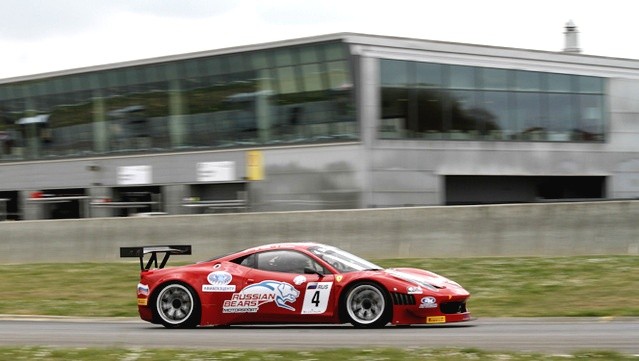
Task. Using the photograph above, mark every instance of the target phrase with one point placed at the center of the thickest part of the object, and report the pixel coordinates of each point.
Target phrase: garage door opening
(522, 189)
(9, 209)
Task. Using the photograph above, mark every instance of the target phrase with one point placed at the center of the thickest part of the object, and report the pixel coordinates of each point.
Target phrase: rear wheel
(176, 305)
(366, 304)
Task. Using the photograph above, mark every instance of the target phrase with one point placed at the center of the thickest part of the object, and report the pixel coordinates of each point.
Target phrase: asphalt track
(544, 335)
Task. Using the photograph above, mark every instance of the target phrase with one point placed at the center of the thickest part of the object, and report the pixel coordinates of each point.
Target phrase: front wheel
(367, 305)
(177, 306)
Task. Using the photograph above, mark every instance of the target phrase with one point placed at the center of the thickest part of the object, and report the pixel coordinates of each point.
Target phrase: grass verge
(500, 287)
(96, 354)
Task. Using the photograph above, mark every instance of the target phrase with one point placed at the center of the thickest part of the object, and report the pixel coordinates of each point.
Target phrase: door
(285, 286)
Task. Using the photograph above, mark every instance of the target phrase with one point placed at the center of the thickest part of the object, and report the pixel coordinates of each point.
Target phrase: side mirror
(309, 271)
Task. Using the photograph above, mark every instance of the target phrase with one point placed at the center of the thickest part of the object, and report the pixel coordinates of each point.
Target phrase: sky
(39, 36)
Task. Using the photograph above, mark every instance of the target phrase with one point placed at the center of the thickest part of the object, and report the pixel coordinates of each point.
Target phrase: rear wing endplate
(140, 252)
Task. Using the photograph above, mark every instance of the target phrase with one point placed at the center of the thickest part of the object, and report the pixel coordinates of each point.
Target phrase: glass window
(286, 261)
(67, 85)
(528, 116)
(486, 103)
(559, 82)
(464, 115)
(37, 89)
(61, 85)
(287, 80)
(18, 91)
(202, 100)
(591, 114)
(561, 116)
(395, 106)
(171, 71)
(94, 82)
(191, 68)
(283, 57)
(341, 260)
(265, 80)
(308, 54)
(259, 60)
(117, 78)
(338, 74)
(80, 82)
(430, 112)
(225, 65)
(494, 115)
(334, 51)
(133, 76)
(153, 73)
(589, 84)
(494, 79)
(40, 88)
(429, 75)
(462, 77)
(12, 140)
(236, 63)
(394, 72)
(61, 125)
(290, 102)
(312, 77)
(214, 66)
(527, 80)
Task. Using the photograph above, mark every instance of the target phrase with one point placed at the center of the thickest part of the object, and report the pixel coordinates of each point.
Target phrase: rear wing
(140, 252)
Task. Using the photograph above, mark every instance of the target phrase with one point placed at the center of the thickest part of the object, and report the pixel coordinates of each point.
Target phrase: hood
(422, 278)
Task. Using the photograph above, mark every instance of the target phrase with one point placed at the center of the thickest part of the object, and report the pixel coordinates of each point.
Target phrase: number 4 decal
(316, 297)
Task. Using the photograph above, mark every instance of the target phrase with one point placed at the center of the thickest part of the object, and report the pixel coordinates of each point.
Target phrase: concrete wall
(468, 231)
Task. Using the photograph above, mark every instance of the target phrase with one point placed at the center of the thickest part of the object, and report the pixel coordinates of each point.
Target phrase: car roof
(286, 245)
(269, 247)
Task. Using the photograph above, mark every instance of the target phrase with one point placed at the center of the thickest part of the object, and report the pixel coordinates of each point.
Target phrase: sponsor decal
(143, 289)
(219, 282)
(142, 301)
(316, 297)
(415, 290)
(218, 288)
(436, 319)
(299, 280)
(219, 278)
(428, 302)
(249, 299)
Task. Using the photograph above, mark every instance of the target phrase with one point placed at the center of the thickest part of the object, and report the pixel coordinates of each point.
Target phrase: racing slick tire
(366, 304)
(176, 305)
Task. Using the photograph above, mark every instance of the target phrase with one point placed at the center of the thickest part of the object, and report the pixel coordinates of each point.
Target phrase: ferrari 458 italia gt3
(290, 283)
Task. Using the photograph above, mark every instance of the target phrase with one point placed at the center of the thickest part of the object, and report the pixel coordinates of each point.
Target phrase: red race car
(290, 283)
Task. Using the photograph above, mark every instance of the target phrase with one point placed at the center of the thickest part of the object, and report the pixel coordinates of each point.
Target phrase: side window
(286, 261)
(249, 261)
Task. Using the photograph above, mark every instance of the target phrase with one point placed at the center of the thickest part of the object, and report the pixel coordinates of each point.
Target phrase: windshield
(342, 260)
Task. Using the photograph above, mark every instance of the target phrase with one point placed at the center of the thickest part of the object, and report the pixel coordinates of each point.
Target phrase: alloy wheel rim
(175, 304)
(365, 304)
